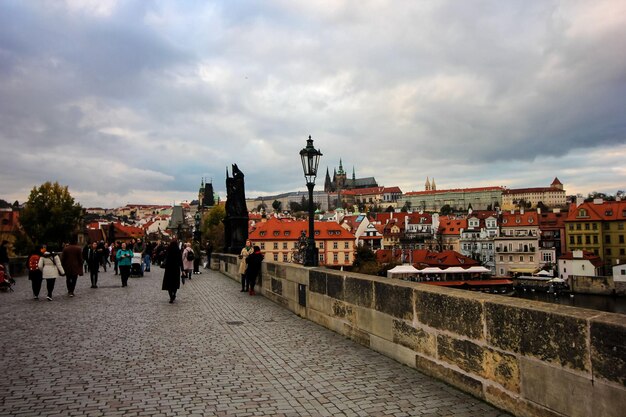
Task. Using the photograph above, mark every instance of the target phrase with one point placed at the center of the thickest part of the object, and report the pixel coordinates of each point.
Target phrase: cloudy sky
(136, 101)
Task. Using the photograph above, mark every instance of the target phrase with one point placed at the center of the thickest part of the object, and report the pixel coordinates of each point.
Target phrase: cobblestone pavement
(215, 351)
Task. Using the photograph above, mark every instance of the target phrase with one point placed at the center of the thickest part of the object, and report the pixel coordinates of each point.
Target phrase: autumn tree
(50, 215)
(213, 227)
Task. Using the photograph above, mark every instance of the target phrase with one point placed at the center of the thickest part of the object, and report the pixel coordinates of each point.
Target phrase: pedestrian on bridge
(254, 261)
(124, 258)
(245, 252)
(173, 268)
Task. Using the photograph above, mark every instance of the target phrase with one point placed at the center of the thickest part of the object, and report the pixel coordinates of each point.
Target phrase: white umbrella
(556, 280)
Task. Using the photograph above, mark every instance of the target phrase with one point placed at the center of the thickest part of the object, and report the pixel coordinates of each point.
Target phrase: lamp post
(310, 160)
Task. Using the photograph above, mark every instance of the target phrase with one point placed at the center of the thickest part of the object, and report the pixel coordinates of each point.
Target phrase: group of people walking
(179, 262)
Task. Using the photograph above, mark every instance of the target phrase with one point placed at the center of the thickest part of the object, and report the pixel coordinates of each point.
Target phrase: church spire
(353, 174)
(427, 185)
(433, 187)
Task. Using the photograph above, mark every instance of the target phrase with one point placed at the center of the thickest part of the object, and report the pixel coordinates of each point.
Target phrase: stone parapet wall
(603, 285)
(529, 358)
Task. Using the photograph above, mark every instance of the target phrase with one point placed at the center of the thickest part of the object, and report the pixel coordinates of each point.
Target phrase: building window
(578, 226)
(588, 240)
(284, 245)
(608, 251)
(622, 251)
(595, 239)
(335, 245)
(571, 240)
(521, 259)
(276, 257)
(594, 226)
(335, 257)
(620, 225)
(321, 245)
(579, 240)
(510, 258)
(501, 271)
(607, 239)
(501, 258)
(347, 257)
(263, 245)
(321, 258)
(532, 259)
(347, 245)
(621, 238)
(275, 245)
(284, 257)
(586, 226)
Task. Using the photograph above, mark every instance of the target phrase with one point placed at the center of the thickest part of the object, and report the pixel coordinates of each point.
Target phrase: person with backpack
(34, 273)
(188, 257)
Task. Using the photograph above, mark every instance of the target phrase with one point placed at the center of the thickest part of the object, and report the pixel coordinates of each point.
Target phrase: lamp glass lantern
(310, 161)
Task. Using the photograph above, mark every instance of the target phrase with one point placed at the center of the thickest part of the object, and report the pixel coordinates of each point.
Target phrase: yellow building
(279, 239)
(598, 227)
(552, 196)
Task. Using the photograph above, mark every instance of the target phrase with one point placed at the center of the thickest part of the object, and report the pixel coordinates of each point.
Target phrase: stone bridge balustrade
(526, 357)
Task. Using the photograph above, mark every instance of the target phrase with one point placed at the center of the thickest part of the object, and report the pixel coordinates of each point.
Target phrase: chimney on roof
(512, 211)
(538, 210)
(521, 210)
(598, 201)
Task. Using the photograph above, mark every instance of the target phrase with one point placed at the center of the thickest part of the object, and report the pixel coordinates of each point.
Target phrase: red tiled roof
(287, 229)
(588, 256)
(531, 190)
(456, 190)
(556, 182)
(607, 211)
(421, 258)
(517, 219)
(452, 227)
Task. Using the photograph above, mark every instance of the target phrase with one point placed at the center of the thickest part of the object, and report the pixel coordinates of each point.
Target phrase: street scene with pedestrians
(127, 351)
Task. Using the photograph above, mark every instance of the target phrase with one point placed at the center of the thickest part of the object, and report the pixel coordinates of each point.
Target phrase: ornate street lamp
(310, 160)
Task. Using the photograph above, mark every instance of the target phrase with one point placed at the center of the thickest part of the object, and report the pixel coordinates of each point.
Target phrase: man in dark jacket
(94, 254)
(72, 261)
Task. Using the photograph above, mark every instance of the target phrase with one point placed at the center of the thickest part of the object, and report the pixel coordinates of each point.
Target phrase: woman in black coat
(254, 261)
(173, 268)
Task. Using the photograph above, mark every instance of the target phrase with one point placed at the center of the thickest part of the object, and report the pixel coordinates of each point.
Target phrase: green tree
(445, 210)
(50, 214)
(365, 261)
(213, 227)
(277, 206)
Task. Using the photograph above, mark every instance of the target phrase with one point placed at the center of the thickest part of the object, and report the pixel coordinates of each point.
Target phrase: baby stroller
(6, 285)
(135, 266)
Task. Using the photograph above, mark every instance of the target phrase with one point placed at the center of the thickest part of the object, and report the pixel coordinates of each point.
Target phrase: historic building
(598, 227)
(278, 239)
(206, 195)
(432, 199)
(340, 182)
(552, 196)
(552, 227)
(477, 240)
(370, 197)
(517, 245)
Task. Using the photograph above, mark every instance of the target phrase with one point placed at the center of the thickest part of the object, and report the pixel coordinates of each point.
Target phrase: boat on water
(501, 286)
(548, 285)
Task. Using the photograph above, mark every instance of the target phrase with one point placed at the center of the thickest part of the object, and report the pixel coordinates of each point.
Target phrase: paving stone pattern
(116, 351)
